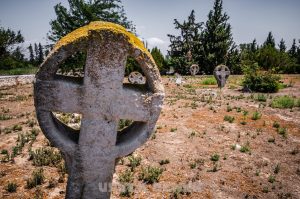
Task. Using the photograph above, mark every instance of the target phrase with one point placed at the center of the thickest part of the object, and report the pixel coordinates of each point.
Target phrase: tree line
(211, 43)
(207, 44)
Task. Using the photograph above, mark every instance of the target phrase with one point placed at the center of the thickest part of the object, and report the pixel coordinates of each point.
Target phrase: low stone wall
(16, 80)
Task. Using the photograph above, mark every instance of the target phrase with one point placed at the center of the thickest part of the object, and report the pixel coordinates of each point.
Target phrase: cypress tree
(217, 37)
(270, 41)
(293, 49)
(282, 46)
(41, 54)
(31, 55)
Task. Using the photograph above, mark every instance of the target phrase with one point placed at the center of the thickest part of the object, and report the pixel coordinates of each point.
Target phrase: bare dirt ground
(207, 156)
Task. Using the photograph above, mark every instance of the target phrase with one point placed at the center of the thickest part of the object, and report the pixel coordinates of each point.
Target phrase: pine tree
(282, 46)
(293, 49)
(217, 37)
(36, 52)
(82, 12)
(253, 47)
(189, 41)
(158, 58)
(31, 55)
(270, 41)
(41, 54)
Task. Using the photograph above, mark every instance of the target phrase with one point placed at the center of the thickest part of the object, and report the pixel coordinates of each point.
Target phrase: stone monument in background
(221, 73)
(102, 99)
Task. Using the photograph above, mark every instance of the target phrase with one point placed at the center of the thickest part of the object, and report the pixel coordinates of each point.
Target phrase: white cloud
(154, 41)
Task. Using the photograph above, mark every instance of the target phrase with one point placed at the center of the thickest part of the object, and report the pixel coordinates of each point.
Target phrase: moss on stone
(83, 32)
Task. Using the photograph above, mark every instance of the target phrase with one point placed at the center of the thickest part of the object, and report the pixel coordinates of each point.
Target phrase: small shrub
(166, 161)
(277, 169)
(282, 131)
(261, 98)
(228, 118)
(215, 157)
(150, 174)
(243, 122)
(193, 165)
(17, 127)
(126, 176)
(276, 125)
(271, 179)
(256, 116)
(173, 129)
(178, 192)
(4, 152)
(134, 161)
(283, 102)
(45, 157)
(229, 108)
(37, 178)
(11, 187)
(245, 148)
(127, 192)
(5, 117)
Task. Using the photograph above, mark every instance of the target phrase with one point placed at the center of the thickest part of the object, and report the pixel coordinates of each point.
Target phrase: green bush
(284, 102)
(209, 81)
(228, 118)
(11, 187)
(45, 157)
(260, 81)
(150, 174)
(36, 179)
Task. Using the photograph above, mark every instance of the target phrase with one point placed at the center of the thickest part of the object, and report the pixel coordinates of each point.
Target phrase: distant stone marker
(221, 74)
(102, 99)
(194, 69)
(136, 78)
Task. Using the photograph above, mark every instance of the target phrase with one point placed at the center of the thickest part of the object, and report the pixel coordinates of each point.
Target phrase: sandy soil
(190, 130)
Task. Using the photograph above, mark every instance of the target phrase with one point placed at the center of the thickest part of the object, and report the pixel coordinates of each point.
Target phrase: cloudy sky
(154, 18)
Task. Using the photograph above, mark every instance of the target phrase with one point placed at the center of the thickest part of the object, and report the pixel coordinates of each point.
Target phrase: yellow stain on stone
(100, 26)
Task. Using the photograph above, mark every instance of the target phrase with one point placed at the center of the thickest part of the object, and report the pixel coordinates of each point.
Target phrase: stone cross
(194, 69)
(221, 74)
(102, 99)
(136, 78)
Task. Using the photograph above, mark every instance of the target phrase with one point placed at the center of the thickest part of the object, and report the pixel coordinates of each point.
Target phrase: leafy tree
(270, 41)
(31, 55)
(9, 38)
(217, 37)
(158, 58)
(189, 41)
(10, 55)
(82, 12)
(282, 46)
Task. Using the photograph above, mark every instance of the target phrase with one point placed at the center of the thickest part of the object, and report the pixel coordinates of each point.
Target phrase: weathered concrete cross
(102, 99)
(194, 69)
(136, 78)
(221, 74)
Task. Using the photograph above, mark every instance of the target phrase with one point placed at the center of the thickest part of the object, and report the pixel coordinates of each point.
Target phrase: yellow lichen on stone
(98, 26)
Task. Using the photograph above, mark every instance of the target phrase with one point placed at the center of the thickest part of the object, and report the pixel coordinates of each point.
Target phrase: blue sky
(154, 18)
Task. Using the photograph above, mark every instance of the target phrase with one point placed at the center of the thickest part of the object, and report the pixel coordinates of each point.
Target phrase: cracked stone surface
(136, 78)
(102, 99)
(221, 73)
